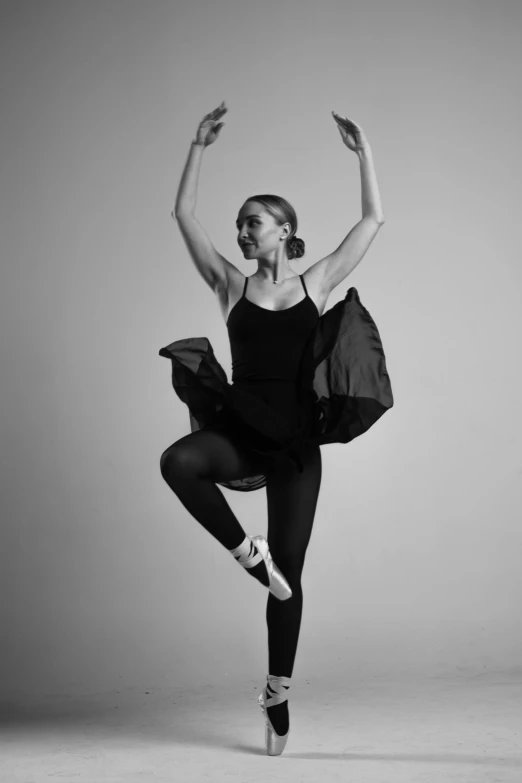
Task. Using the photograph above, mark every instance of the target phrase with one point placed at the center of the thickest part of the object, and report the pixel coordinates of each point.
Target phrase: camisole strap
(304, 286)
(246, 283)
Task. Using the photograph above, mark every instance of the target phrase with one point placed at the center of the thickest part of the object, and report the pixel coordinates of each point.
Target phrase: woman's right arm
(188, 186)
(211, 265)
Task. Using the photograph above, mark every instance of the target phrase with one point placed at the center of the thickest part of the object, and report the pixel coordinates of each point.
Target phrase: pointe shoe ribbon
(275, 743)
(279, 587)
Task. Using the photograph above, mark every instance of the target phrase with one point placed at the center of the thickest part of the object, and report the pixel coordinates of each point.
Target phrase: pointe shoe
(274, 743)
(279, 587)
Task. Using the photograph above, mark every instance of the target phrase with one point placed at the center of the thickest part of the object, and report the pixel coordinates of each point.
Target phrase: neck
(277, 272)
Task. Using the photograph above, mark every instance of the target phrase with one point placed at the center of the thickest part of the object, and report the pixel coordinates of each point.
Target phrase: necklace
(278, 282)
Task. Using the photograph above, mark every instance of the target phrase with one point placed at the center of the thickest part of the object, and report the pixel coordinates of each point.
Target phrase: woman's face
(258, 228)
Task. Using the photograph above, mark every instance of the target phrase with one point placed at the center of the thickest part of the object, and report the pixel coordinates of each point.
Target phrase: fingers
(219, 111)
(345, 122)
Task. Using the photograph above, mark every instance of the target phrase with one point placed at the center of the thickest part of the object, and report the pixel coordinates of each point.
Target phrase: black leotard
(297, 378)
(267, 345)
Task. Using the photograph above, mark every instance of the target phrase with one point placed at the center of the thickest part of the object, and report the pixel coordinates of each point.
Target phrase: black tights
(193, 464)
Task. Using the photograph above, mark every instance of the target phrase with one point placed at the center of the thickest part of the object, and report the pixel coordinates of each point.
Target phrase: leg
(292, 500)
(193, 464)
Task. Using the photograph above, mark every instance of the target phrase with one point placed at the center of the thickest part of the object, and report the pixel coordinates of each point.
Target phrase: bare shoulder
(317, 286)
(231, 279)
(315, 280)
(231, 282)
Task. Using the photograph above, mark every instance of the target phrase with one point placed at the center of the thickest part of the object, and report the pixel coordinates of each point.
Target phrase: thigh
(292, 500)
(213, 453)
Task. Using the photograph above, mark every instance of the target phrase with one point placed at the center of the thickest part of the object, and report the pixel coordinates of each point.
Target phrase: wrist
(364, 152)
(196, 143)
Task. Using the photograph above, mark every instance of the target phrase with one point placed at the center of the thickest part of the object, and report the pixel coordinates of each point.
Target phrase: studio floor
(379, 730)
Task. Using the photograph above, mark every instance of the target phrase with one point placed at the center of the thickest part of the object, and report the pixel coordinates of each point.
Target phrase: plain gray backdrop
(414, 561)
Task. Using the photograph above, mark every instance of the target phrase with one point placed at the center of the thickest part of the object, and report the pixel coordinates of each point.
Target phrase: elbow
(378, 219)
(178, 214)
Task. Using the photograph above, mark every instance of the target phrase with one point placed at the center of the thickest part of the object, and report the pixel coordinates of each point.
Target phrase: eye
(251, 223)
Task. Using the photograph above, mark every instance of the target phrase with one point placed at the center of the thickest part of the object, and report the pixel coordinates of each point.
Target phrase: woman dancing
(299, 381)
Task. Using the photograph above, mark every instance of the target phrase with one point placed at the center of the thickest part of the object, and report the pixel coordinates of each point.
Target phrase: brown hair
(283, 212)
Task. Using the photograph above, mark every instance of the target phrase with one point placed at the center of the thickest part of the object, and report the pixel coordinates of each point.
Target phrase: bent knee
(180, 460)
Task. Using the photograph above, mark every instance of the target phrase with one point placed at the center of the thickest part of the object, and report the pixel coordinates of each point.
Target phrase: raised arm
(334, 268)
(211, 265)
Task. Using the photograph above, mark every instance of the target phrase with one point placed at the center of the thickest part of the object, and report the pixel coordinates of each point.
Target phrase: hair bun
(297, 246)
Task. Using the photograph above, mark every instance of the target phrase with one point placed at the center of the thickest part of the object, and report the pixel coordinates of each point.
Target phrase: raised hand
(352, 134)
(210, 127)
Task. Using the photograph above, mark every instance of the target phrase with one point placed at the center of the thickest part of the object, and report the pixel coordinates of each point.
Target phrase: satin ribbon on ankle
(244, 560)
(277, 684)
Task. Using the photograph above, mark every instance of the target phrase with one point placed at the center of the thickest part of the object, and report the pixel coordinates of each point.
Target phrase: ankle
(246, 553)
(248, 556)
(276, 700)
(277, 688)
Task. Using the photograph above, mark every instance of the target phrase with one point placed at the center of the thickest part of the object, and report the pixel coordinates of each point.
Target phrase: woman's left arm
(335, 267)
(355, 139)
(370, 196)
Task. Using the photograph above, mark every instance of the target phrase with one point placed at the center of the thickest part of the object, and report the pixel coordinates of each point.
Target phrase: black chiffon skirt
(342, 389)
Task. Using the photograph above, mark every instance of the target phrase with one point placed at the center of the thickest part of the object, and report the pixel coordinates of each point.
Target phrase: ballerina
(297, 384)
